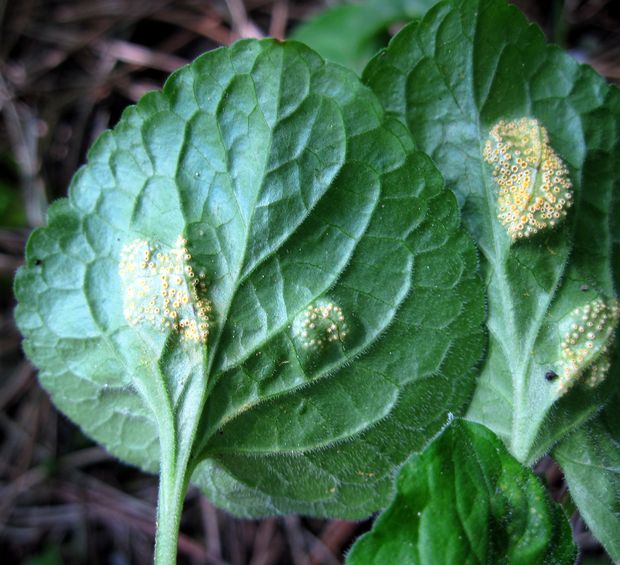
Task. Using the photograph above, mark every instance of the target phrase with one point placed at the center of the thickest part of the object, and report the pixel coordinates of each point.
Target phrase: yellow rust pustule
(587, 333)
(534, 190)
(161, 289)
(320, 324)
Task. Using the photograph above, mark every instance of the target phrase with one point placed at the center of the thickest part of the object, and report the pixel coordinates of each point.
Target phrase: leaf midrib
(241, 277)
(213, 350)
(518, 365)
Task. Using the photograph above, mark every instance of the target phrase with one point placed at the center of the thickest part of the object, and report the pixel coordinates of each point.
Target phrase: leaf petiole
(173, 483)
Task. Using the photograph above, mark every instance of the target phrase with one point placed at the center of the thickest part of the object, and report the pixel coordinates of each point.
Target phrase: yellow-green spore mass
(598, 372)
(320, 324)
(587, 332)
(161, 289)
(534, 190)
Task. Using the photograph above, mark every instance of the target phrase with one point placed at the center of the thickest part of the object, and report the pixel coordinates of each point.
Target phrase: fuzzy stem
(172, 488)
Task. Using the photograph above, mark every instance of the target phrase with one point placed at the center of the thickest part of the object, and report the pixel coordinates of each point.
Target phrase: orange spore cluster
(534, 190)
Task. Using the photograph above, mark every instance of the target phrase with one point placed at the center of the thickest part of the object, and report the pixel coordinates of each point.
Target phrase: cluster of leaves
(343, 309)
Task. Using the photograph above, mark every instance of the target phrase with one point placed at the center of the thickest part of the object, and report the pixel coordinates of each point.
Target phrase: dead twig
(206, 24)
(139, 55)
(334, 537)
(268, 545)
(295, 537)
(242, 25)
(279, 19)
(211, 527)
(15, 386)
(21, 125)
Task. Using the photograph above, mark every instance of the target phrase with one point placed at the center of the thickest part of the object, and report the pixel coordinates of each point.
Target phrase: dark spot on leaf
(38, 262)
(551, 375)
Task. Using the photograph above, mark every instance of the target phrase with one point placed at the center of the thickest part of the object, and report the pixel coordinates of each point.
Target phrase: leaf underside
(451, 79)
(590, 457)
(293, 192)
(465, 499)
(590, 460)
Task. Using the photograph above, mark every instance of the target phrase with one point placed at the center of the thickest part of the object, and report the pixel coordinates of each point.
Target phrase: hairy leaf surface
(460, 80)
(590, 457)
(590, 460)
(330, 304)
(465, 499)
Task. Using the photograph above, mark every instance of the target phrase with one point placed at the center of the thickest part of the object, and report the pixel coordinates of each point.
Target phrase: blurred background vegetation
(67, 71)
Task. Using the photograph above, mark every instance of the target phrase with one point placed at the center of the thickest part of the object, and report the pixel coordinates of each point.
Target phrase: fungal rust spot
(533, 187)
(319, 324)
(587, 333)
(160, 289)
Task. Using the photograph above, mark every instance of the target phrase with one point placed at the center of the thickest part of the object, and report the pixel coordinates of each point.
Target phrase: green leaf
(350, 34)
(475, 83)
(590, 459)
(318, 249)
(465, 499)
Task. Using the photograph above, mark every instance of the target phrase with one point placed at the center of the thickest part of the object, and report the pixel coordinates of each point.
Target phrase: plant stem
(173, 483)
